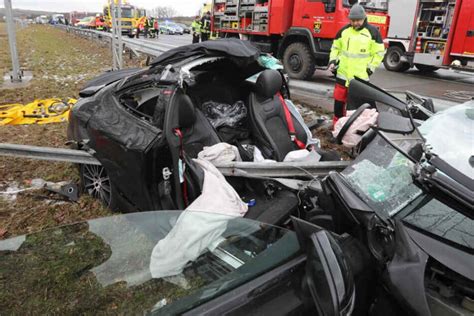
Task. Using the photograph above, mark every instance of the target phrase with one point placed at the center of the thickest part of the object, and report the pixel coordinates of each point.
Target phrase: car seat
(268, 121)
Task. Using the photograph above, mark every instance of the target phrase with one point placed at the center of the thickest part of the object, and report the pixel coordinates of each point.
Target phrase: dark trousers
(195, 38)
(204, 37)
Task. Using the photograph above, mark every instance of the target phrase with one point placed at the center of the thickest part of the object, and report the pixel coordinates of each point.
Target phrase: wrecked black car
(175, 263)
(405, 203)
(146, 127)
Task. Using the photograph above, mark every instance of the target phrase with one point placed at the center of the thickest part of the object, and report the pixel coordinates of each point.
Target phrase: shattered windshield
(162, 262)
(381, 176)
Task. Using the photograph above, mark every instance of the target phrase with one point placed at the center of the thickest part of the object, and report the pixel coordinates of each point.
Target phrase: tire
(298, 61)
(426, 68)
(392, 60)
(96, 182)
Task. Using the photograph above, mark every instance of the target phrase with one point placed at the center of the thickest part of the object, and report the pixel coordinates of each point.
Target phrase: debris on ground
(37, 112)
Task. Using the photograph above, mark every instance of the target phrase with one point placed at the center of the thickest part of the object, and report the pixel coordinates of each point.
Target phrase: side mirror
(328, 275)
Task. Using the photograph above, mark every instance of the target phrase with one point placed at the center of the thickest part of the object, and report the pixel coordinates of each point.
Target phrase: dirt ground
(61, 63)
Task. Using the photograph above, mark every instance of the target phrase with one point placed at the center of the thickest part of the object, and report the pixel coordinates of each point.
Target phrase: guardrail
(151, 49)
(236, 169)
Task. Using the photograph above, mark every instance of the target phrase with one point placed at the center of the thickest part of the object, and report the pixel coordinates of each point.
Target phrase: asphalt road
(442, 84)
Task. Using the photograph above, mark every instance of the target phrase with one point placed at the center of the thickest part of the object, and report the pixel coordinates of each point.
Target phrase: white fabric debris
(302, 155)
(199, 226)
(258, 156)
(361, 124)
(220, 153)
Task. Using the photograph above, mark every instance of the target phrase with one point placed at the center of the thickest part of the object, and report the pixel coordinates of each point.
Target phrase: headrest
(186, 111)
(268, 83)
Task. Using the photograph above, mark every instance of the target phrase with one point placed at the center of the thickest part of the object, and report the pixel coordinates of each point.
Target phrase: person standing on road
(156, 28)
(205, 26)
(148, 25)
(356, 51)
(196, 29)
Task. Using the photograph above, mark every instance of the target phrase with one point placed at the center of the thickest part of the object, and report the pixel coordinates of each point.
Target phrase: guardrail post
(16, 73)
(117, 45)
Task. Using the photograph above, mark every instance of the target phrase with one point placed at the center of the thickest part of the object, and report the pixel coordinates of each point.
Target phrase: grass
(61, 63)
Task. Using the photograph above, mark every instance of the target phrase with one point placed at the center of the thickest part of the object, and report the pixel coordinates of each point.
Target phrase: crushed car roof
(241, 51)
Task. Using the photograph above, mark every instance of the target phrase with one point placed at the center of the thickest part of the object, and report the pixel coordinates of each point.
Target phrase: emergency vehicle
(139, 18)
(430, 34)
(300, 32)
(128, 17)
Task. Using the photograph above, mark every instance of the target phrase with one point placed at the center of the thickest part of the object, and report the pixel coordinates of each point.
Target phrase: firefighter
(205, 26)
(356, 51)
(156, 28)
(196, 29)
(140, 26)
(147, 25)
(99, 22)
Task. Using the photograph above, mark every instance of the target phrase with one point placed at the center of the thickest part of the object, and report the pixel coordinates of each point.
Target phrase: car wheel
(299, 61)
(393, 60)
(96, 182)
(426, 68)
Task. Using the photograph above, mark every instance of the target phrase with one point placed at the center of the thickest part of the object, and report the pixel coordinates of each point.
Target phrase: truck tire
(393, 60)
(299, 61)
(426, 68)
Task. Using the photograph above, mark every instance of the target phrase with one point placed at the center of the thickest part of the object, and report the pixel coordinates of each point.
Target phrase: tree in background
(163, 12)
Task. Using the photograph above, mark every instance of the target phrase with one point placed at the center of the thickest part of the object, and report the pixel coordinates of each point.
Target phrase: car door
(316, 16)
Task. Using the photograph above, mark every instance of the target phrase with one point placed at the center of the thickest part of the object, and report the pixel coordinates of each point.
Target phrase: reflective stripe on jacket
(205, 25)
(357, 50)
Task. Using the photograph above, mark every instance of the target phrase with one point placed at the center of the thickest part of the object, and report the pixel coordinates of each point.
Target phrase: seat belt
(291, 126)
(178, 133)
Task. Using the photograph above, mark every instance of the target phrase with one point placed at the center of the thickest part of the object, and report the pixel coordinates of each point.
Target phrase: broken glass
(382, 177)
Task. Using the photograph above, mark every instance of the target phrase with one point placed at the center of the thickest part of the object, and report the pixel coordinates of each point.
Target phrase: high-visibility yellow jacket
(355, 51)
(196, 26)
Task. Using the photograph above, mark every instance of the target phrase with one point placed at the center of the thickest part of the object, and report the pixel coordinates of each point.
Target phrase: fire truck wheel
(426, 68)
(299, 61)
(393, 60)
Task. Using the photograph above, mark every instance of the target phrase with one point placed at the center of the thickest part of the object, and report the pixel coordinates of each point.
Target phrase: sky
(183, 7)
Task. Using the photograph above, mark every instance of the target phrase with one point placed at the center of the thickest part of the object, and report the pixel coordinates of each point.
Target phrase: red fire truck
(300, 32)
(430, 34)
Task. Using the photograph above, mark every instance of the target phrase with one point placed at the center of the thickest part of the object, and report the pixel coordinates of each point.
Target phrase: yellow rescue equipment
(37, 112)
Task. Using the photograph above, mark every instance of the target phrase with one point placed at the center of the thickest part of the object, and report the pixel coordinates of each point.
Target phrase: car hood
(242, 52)
(160, 261)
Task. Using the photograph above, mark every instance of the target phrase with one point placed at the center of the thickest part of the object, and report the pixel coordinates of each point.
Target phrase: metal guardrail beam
(152, 49)
(281, 169)
(47, 153)
(236, 169)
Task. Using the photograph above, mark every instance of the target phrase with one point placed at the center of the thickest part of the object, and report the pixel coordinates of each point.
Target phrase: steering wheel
(351, 121)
